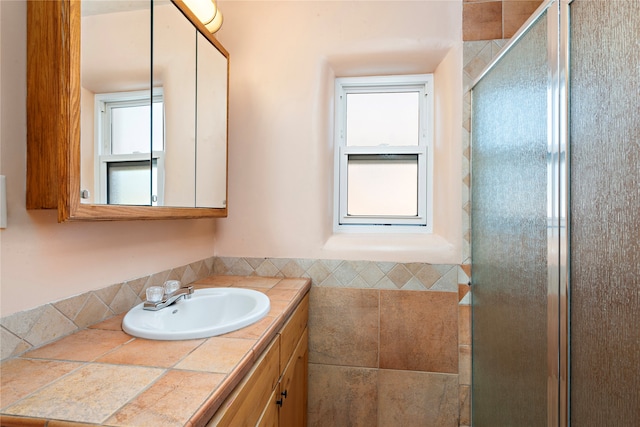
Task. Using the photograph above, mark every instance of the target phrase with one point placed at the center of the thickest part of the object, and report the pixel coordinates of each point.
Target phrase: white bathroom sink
(209, 312)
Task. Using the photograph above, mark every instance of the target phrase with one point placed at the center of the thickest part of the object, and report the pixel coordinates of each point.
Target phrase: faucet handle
(154, 293)
(170, 286)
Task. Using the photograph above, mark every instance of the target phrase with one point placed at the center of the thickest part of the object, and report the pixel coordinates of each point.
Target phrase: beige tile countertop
(102, 376)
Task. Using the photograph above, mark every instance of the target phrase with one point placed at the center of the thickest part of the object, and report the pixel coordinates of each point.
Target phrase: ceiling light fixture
(207, 12)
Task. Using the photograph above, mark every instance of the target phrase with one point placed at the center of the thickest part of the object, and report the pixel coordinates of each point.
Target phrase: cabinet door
(269, 417)
(293, 386)
(292, 331)
(243, 407)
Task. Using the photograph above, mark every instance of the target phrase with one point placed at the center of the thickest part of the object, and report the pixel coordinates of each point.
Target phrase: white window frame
(423, 221)
(102, 126)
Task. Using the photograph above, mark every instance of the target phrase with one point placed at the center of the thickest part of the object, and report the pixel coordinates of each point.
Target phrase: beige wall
(280, 156)
(43, 261)
(284, 57)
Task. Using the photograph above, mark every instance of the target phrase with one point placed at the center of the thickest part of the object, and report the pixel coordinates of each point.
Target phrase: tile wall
(384, 345)
(33, 328)
(383, 357)
(491, 19)
(386, 331)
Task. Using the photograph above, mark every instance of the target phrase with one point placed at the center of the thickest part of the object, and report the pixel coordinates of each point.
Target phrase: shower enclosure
(556, 221)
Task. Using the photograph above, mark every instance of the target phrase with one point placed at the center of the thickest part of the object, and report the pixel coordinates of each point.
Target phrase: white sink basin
(209, 312)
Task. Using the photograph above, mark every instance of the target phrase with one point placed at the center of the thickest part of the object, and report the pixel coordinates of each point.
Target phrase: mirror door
(153, 108)
(77, 157)
(116, 103)
(174, 73)
(211, 137)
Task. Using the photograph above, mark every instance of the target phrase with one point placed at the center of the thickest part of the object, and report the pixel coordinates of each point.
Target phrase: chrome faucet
(168, 299)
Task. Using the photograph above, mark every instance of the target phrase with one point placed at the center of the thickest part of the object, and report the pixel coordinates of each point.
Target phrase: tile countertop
(102, 376)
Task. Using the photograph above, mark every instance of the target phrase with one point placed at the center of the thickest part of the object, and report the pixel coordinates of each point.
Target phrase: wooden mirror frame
(53, 119)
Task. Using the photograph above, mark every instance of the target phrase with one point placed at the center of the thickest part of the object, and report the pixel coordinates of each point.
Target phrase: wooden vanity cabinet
(293, 386)
(274, 392)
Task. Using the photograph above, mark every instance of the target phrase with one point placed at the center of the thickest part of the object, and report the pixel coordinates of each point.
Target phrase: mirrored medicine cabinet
(127, 108)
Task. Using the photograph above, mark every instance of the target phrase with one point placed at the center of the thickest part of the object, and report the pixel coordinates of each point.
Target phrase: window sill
(393, 247)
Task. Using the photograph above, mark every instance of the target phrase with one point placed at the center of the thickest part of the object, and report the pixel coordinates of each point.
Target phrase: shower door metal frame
(558, 266)
(559, 220)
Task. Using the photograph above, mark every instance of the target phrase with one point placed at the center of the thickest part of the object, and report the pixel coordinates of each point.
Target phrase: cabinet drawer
(244, 405)
(292, 330)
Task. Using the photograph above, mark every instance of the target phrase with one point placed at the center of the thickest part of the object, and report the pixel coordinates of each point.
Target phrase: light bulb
(216, 23)
(205, 10)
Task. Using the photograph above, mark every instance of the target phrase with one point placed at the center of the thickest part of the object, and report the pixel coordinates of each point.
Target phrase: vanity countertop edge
(22, 406)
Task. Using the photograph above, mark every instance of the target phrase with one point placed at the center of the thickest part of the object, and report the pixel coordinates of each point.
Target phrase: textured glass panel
(382, 185)
(128, 183)
(509, 225)
(382, 119)
(605, 209)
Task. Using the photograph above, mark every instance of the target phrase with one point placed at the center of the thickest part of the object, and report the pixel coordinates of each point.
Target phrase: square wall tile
(465, 405)
(465, 365)
(464, 325)
(343, 326)
(408, 398)
(419, 331)
(516, 13)
(482, 21)
(342, 396)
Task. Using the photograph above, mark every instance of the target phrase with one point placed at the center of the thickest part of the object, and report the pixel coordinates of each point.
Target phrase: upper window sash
(106, 102)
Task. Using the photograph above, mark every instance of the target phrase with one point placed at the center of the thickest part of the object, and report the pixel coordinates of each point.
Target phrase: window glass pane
(130, 129)
(382, 119)
(158, 126)
(128, 183)
(382, 185)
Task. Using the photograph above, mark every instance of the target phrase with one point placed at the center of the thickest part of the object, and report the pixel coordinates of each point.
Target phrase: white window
(383, 161)
(130, 146)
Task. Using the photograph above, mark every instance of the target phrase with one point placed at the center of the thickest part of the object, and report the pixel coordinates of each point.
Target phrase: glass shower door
(509, 235)
(605, 210)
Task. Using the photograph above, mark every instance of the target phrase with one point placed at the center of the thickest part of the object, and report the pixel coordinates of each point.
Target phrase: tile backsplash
(32, 328)
(347, 274)
(402, 304)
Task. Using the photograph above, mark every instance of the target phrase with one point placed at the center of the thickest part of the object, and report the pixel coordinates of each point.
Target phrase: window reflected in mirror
(128, 173)
(128, 182)
(130, 50)
(106, 47)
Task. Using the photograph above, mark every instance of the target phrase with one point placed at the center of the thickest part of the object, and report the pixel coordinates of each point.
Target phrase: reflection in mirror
(103, 66)
(115, 70)
(174, 70)
(211, 165)
(125, 126)
(154, 99)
